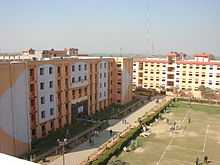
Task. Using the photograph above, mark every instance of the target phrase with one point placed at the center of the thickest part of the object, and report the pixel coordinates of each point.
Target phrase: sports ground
(194, 138)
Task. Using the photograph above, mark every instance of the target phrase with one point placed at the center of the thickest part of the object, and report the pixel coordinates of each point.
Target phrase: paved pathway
(82, 152)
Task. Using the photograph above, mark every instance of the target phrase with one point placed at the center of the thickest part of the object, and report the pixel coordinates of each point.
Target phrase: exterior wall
(66, 96)
(102, 87)
(14, 123)
(48, 93)
(176, 72)
(123, 79)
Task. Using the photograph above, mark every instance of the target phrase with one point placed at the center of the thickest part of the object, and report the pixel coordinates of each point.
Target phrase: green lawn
(42, 145)
(203, 133)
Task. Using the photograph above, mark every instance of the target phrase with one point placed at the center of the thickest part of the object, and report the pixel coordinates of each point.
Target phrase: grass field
(198, 138)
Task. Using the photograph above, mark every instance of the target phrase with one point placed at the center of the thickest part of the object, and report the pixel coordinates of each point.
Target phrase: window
(100, 85)
(31, 72)
(104, 93)
(32, 87)
(41, 85)
(51, 98)
(73, 68)
(73, 79)
(41, 71)
(58, 70)
(42, 100)
(119, 65)
(105, 75)
(178, 66)
(85, 77)
(33, 132)
(73, 94)
(104, 84)
(104, 65)
(100, 65)
(51, 124)
(51, 84)
(66, 70)
(100, 75)
(85, 90)
(42, 114)
(51, 111)
(79, 67)
(80, 92)
(50, 70)
(79, 78)
(85, 66)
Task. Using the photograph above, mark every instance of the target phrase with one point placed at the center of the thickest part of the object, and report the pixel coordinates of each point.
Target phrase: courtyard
(198, 135)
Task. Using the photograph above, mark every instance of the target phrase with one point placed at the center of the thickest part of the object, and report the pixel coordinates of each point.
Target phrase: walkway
(82, 152)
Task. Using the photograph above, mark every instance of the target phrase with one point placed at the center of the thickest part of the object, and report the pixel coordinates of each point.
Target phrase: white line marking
(185, 162)
(171, 140)
(205, 140)
(165, 150)
(185, 148)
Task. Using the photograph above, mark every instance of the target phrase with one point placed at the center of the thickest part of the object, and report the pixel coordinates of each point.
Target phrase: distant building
(41, 92)
(175, 72)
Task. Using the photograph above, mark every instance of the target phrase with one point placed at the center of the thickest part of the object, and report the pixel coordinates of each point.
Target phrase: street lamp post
(62, 144)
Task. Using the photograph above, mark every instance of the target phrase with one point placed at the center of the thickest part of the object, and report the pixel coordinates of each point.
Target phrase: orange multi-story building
(42, 91)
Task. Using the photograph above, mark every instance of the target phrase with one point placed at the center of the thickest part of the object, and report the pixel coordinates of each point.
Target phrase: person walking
(206, 159)
(110, 132)
(189, 120)
(197, 161)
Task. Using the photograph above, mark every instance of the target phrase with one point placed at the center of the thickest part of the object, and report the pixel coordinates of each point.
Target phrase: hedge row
(199, 100)
(123, 141)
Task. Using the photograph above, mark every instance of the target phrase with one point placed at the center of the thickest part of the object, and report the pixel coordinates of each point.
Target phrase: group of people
(206, 161)
(124, 121)
(95, 133)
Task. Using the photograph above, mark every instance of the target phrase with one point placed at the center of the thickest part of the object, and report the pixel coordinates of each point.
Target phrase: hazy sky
(190, 26)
